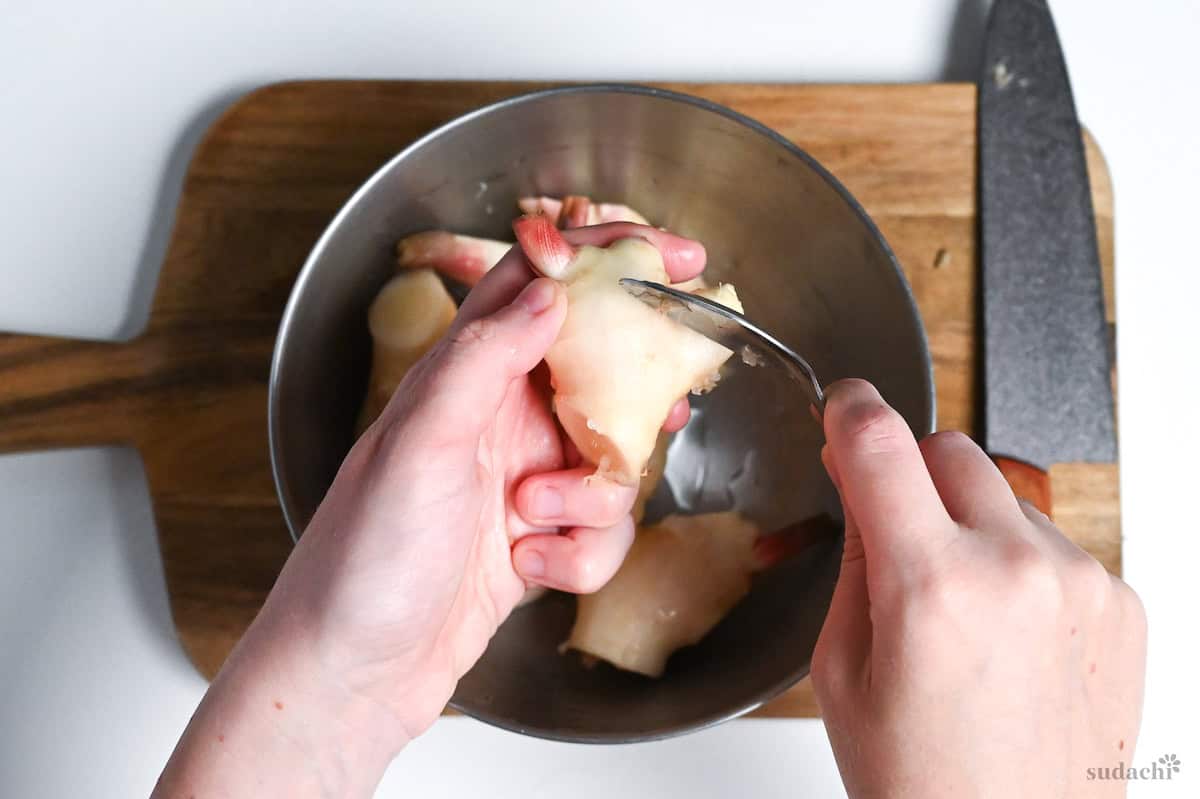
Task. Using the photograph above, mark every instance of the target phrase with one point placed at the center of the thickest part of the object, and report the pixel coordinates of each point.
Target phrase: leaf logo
(1170, 762)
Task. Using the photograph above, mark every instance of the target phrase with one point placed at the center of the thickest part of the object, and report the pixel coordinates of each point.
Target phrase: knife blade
(1047, 390)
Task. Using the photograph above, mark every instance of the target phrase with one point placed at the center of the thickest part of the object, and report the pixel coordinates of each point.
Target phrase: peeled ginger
(618, 365)
(410, 313)
(680, 578)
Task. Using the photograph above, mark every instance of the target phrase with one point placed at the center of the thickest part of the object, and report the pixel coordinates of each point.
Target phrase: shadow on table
(166, 200)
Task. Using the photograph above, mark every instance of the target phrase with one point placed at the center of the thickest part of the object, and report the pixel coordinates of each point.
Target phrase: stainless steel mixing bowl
(809, 266)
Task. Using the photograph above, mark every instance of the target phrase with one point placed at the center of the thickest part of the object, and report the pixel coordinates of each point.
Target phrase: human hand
(970, 648)
(409, 565)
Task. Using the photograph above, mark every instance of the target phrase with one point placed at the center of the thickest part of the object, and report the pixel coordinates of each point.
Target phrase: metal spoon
(729, 329)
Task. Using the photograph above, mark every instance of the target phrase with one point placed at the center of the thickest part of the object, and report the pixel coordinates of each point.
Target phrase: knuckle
(596, 556)
(1091, 581)
(1032, 576)
(873, 426)
(613, 504)
(586, 573)
(939, 593)
(474, 332)
(1133, 608)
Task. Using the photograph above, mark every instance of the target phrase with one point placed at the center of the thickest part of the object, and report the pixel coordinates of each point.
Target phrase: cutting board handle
(57, 392)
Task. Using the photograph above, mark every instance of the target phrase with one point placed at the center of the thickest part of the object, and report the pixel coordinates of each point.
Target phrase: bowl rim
(283, 491)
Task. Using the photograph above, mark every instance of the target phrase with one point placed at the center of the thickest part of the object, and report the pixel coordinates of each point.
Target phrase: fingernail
(538, 295)
(547, 503)
(850, 384)
(529, 563)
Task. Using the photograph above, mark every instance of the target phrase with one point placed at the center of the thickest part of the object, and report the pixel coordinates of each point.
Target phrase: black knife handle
(1028, 482)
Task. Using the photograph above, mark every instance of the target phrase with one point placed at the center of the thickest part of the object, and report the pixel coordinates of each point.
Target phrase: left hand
(408, 566)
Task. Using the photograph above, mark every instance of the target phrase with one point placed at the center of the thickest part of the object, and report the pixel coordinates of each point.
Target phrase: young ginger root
(467, 259)
(576, 210)
(463, 258)
(680, 578)
(618, 365)
(411, 312)
(652, 475)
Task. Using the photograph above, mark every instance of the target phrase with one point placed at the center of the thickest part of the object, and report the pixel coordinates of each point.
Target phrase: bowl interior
(808, 265)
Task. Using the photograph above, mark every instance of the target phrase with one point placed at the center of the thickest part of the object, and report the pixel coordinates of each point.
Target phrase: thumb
(472, 368)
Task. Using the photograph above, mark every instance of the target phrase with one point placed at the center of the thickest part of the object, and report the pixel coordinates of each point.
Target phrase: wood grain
(190, 392)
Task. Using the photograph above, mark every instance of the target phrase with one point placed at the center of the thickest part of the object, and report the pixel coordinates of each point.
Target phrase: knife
(1047, 391)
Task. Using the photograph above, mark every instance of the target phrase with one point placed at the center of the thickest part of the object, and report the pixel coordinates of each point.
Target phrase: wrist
(392, 697)
(279, 678)
(272, 724)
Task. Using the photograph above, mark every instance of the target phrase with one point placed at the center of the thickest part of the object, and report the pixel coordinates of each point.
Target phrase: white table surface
(101, 106)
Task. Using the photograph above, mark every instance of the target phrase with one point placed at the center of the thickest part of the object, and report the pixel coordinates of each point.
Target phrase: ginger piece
(411, 312)
(618, 365)
(724, 294)
(463, 258)
(467, 259)
(694, 286)
(656, 466)
(680, 578)
(577, 211)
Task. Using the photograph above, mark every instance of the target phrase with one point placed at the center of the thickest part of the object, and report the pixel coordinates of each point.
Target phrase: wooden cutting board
(190, 392)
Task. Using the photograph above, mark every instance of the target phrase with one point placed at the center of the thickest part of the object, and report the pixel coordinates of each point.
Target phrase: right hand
(970, 649)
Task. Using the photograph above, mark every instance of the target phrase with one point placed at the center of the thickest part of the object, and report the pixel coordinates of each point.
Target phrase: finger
(579, 562)
(852, 549)
(678, 416)
(574, 497)
(844, 644)
(571, 455)
(683, 258)
(885, 485)
(843, 649)
(972, 489)
(470, 370)
(498, 288)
